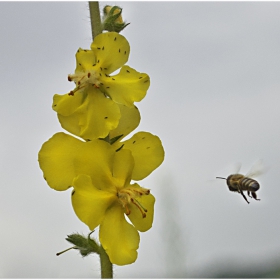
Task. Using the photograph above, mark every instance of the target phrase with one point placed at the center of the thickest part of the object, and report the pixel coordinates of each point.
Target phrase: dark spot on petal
(98, 61)
(148, 148)
(98, 48)
(127, 71)
(107, 87)
(113, 79)
(119, 50)
(85, 50)
(124, 52)
(143, 137)
(100, 74)
(140, 77)
(115, 39)
(146, 81)
(133, 142)
(80, 64)
(73, 192)
(106, 118)
(103, 48)
(101, 84)
(94, 64)
(101, 68)
(105, 68)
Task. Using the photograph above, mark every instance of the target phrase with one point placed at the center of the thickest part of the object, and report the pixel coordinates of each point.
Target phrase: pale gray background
(214, 100)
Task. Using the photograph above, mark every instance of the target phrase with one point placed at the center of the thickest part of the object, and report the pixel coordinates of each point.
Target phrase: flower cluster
(98, 164)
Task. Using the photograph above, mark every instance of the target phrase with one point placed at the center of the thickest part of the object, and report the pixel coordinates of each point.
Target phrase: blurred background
(214, 101)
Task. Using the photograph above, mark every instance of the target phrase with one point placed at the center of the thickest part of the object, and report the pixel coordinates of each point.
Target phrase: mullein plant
(97, 163)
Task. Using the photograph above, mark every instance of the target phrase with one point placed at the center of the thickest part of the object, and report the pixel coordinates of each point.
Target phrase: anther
(127, 211)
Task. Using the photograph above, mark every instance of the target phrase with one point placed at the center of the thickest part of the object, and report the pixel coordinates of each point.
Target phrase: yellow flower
(88, 114)
(103, 193)
(93, 102)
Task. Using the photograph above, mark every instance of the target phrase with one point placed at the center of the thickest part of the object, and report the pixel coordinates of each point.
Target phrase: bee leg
(255, 196)
(248, 192)
(244, 196)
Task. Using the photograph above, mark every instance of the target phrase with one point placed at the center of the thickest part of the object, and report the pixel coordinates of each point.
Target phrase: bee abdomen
(249, 184)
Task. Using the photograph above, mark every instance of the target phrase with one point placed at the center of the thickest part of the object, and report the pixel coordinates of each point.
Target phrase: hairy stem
(95, 19)
(106, 265)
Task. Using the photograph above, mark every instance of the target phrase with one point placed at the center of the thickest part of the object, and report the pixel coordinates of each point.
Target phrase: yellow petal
(66, 104)
(64, 157)
(94, 118)
(135, 216)
(90, 203)
(119, 238)
(130, 119)
(111, 50)
(147, 152)
(122, 168)
(85, 59)
(95, 159)
(56, 159)
(127, 86)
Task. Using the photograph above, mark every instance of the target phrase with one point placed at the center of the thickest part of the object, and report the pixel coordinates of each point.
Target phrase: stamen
(140, 207)
(75, 90)
(127, 211)
(83, 79)
(129, 195)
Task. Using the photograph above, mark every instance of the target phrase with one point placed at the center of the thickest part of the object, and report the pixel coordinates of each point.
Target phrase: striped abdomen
(248, 184)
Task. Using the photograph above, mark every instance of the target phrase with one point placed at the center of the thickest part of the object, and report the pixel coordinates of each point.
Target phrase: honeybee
(239, 183)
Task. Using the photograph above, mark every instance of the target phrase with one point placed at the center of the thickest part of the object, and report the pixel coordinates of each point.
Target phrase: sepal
(86, 245)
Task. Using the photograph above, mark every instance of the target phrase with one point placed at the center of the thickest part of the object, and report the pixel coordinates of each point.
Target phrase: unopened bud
(112, 20)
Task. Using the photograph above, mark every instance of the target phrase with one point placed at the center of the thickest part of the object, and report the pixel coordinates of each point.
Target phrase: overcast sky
(214, 100)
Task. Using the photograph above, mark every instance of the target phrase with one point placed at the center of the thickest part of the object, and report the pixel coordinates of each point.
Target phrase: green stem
(95, 20)
(106, 265)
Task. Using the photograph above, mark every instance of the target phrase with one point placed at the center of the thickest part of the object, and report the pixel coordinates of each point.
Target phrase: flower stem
(106, 265)
(95, 20)
(96, 28)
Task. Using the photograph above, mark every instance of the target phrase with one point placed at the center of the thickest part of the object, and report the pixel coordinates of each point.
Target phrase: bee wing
(237, 168)
(257, 169)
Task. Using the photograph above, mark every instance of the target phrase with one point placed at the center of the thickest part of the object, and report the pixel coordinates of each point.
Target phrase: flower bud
(112, 19)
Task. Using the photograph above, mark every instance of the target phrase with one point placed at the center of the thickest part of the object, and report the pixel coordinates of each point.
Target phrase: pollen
(128, 196)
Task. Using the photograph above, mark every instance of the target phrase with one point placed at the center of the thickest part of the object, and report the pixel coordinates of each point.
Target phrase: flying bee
(239, 183)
